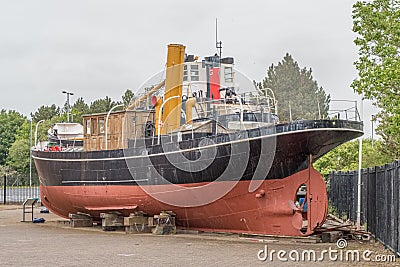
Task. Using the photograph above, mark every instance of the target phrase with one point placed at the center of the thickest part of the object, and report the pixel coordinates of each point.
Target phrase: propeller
(297, 220)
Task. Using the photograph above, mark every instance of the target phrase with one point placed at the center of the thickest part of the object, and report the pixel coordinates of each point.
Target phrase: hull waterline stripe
(197, 148)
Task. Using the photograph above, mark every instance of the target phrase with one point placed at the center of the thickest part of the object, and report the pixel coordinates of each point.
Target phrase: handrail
(159, 116)
(36, 130)
(241, 108)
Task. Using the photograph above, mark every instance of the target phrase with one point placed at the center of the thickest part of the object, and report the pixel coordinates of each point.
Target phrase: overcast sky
(99, 48)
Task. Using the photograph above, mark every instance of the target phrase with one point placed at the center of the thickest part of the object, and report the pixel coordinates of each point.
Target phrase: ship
(217, 157)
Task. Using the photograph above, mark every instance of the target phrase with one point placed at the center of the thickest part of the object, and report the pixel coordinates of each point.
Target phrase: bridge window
(88, 126)
(101, 126)
(185, 73)
(194, 72)
(228, 74)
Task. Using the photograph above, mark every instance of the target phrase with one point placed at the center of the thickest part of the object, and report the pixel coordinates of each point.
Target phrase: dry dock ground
(54, 244)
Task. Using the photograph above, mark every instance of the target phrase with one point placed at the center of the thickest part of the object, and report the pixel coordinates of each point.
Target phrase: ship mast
(218, 44)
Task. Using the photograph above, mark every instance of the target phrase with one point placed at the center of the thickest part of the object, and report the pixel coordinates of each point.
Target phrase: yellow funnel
(173, 87)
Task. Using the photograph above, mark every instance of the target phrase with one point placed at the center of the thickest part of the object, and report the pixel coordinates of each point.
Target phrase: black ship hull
(286, 152)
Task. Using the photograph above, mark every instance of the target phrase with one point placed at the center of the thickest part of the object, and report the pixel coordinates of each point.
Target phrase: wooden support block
(151, 221)
(132, 220)
(331, 236)
(164, 220)
(80, 220)
(75, 223)
(137, 229)
(111, 221)
(164, 230)
(80, 216)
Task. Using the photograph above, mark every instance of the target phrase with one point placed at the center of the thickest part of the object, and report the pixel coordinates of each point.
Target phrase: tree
(345, 157)
(10, 122)
(46, 113)
(296, 91)
(377, 25)
(78, 109)
(6, 170)
(81, 106)
(18, 158)
(128, 97)
(19, 152)
(102, 105)
(24, 131)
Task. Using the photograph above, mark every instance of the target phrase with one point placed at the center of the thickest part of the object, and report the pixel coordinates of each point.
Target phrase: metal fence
(13, 192)
(380, 200)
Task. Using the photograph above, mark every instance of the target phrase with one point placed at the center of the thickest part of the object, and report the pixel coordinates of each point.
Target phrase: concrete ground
(54, 244)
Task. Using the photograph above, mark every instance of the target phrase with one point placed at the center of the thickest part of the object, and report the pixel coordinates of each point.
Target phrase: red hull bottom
(268, 210)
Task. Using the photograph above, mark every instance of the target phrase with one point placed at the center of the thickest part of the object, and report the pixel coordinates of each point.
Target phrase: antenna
(217, 43)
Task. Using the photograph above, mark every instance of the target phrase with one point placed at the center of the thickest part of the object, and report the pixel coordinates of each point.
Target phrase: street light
(359, 168)
(68, 94)
(30, 156)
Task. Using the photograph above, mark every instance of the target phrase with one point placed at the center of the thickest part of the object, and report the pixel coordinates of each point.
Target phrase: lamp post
(358, 223)
(108, 115)
(68, 94)
(30, 155)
